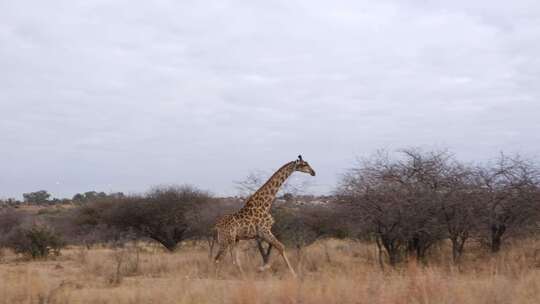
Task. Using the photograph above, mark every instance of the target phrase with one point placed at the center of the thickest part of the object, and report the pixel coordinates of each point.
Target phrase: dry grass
(329, 272)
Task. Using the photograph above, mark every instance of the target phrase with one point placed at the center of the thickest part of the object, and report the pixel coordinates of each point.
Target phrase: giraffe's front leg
(236, 258)
(272, 240)
(265, 254)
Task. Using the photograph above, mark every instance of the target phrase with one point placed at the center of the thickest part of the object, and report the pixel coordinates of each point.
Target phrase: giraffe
(253, 220)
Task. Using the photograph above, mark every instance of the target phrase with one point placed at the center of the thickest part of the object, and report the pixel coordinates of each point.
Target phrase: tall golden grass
(330, 271)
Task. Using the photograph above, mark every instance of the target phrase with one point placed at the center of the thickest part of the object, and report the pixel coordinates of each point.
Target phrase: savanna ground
(330, 271)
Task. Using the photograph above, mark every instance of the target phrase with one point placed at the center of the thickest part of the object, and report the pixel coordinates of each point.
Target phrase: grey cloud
(118, 96)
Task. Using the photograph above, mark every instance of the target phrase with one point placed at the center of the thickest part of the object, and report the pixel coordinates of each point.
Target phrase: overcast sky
(123, 95)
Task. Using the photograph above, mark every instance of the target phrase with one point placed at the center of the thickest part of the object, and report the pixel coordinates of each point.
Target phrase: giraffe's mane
(269, 179)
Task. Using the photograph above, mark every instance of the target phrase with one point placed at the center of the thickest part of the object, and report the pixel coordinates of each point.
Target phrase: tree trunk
(380, 253)
(392, 250)
(419, 247)
(497, 232)
(457, 249)
(393, 257)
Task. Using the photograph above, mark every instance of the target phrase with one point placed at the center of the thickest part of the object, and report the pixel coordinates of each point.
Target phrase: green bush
(38, 241)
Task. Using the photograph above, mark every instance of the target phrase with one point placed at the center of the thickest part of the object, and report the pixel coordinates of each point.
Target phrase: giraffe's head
(303, 166)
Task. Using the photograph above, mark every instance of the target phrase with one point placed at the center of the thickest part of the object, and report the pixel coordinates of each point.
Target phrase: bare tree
(375, 203)
(455, 190)
(399, 199)
(509, 190)
(253, 181)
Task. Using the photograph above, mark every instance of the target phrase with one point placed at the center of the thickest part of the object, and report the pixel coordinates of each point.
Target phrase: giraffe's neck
(264, 197)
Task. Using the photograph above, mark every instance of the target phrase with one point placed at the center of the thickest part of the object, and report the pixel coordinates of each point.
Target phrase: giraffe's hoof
(264, 268)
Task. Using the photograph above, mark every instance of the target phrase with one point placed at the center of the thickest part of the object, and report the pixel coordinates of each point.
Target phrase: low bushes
(37, 241)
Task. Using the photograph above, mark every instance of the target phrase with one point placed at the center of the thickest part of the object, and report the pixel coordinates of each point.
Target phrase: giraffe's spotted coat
(254, 219)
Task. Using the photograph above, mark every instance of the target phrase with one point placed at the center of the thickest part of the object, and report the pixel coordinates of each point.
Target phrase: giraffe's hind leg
(211, 244)
(221, 250)
(273, 241)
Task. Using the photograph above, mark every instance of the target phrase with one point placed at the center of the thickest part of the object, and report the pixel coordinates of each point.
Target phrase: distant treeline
(44, 198)
(406, 203)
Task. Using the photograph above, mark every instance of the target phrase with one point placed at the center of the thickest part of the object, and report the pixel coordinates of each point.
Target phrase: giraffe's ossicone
(253, 220)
